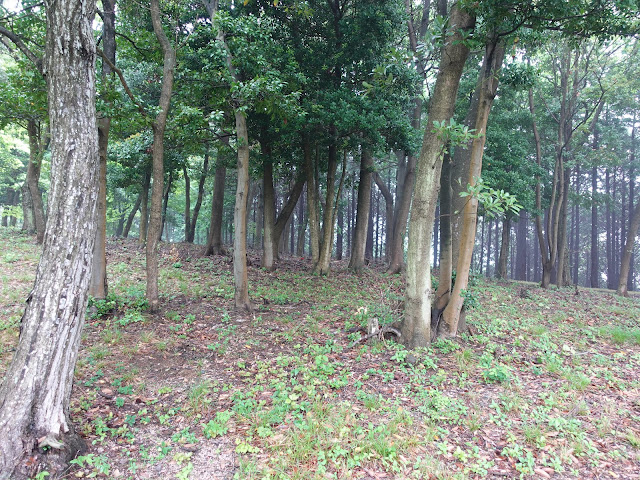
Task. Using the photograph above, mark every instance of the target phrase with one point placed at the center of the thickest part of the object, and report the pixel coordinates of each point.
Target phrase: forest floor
(548, 386)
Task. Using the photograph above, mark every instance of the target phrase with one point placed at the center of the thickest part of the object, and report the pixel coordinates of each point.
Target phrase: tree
(34, 397)
(157, 155)
(99, 287)
(416, 326)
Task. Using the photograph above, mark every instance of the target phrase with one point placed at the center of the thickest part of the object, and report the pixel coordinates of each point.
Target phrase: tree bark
(443, 293)
(35, 393)
(214, 240)
(99, 285)
(388, 198)
(416, 326)
(240, 273)
(494, 54)
(356, 261)
(157, 153)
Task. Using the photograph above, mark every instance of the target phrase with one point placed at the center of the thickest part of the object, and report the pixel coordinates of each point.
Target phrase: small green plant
(218, 427)
(98, 464)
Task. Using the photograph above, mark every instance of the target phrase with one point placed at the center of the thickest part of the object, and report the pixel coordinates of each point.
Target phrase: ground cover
(546, 386)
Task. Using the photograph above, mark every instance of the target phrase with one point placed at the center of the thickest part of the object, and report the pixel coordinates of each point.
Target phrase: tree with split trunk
(487, 86)
(416, 326)
(34, 397)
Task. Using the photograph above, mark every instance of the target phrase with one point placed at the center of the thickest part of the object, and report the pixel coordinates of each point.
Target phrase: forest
(395, 238)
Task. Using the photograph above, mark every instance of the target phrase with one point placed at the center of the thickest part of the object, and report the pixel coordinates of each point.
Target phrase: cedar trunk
(34, 397)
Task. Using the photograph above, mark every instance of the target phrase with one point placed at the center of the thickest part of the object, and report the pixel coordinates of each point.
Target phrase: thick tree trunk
(214, 241)
(155, 219)
(494, 54)
(34, 397)
(416, 326)
(240, 273)
(356, 261)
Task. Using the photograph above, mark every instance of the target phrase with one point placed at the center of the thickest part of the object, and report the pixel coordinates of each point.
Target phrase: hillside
(548, 386)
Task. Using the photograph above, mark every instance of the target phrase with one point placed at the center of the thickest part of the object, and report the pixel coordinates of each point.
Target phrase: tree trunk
(521, 248)
(144, 209)
(214, 240)
(443, 293)
(159, 125)
(269, 251)
(132, 215)
(187, 204)
(494, 54)
(340, 232)
(501, 270)
(35, 393)
(326, 245)
(416, 326)
(240, 273)
(36, 152)
(368, 247)
(625, 263)
(388, 198)
(356, 261)
(312, 200)
(302, 228)
(165, 204)
(99, 286)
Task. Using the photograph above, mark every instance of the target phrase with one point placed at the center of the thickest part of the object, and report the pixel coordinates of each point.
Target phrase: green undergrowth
(545, 383)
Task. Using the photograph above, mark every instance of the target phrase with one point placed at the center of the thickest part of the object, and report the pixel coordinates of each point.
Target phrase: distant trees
(283, 116)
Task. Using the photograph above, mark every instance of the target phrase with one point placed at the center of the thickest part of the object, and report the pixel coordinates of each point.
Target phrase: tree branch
(17, 41)
(127, 90)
